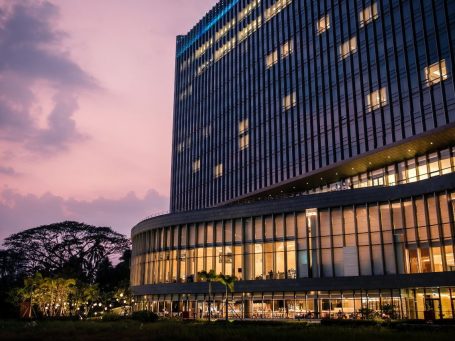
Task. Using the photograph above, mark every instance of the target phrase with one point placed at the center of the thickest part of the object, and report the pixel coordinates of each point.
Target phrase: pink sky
(86, 91)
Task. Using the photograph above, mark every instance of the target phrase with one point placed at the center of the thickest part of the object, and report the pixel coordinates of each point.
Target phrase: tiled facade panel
(311, 103)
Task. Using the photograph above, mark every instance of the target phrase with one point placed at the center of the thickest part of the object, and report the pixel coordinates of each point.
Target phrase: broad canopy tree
(68, 248)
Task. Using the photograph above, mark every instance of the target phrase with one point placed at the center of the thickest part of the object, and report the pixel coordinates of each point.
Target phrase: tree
(10, 265)
(27, 293)
(122, 270)
(104, 275)
(228, 282)
(49, 295)
(210, 277)
(10, 276)
(85, 298)
(68, 248)
(111, 278)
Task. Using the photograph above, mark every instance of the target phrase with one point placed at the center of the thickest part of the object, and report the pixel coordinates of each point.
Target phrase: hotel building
(313, 158)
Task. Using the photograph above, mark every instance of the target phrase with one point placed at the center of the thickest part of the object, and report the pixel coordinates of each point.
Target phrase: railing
(155, 214)
(347, 184)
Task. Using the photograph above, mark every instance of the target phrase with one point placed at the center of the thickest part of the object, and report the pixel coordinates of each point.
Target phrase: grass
(176, 330)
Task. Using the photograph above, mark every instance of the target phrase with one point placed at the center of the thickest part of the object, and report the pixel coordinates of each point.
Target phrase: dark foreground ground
(177, 330)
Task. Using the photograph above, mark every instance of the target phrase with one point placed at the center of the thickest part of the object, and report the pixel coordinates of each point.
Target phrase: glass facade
(349, 304)
(407, 171)
(277, 103)
(319, 82)
(407, 236)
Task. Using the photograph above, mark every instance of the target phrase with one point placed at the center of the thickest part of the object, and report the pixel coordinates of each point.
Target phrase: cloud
(7, 171)
(20, 211)
(32, 60)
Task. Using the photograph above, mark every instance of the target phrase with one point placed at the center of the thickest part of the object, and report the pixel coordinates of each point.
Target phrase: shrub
(109, 317)
(144, 316)
(348, 323)
(367, 313)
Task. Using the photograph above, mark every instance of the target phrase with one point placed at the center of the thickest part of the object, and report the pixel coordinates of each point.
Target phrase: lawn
(175, 330)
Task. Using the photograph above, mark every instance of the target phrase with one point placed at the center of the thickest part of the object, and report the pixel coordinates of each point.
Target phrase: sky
(86, 96)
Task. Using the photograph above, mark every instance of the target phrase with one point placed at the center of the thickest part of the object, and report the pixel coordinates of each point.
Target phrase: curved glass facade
(411, 235)
(347, 304)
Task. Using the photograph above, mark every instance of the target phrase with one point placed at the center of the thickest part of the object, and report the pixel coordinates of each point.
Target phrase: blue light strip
(207, 27)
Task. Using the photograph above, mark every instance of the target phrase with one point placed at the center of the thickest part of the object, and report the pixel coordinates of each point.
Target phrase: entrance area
(419, 303)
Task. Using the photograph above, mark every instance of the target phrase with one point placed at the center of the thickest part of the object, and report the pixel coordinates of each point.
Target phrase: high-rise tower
(313, 141)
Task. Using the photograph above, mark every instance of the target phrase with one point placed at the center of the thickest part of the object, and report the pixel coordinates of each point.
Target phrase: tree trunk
(210, 297)
(227, 304)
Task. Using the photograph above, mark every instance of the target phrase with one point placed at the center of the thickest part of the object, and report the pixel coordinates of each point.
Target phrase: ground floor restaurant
(418, 303)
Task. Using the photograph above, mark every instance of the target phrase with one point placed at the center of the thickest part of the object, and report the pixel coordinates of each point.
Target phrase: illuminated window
(218, 170)
(275, 8)
(202, 67)
(368, 14)
(271, 59)
(249, 29)
(181, 147)
(247, 10)
(436, 72)
(225, 29)
(228, 46)
(185, 64)
(348, 47)
(323, 24)
(187, 92)
(201, 50)
(244, 138)
(196, 165)
(244, 141)
(377, 99)
(286, 49)
(289, 101)
(243, 126)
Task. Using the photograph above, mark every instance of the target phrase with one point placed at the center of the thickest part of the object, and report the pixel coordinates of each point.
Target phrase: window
(185, 64)
(243, 126)
(218, 170)
(377, 99)
(377, 177)
(206, 131)
(225, 29)
(196, 165)
(368, 14)
(323, 24)
(187, 92)
(286, 49)
(201, 68)
(249, 29)
(244, 138)
(276, 8)
(244, 141)
(271, 59)
(201, 50)
(247, 9)
(289, 101)
(348, 47)
(436, 72)
(224, 49)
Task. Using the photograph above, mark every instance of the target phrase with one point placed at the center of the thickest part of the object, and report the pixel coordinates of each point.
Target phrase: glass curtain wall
(413, 235)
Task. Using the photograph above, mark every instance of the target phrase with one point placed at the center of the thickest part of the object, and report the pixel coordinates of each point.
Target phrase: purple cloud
(20, 212)
(7, 171)
(32, 56)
